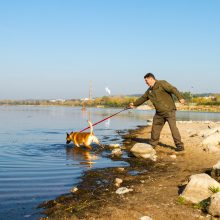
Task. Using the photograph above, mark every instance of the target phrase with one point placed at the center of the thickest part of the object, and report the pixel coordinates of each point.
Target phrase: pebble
(114, 145)
(145, 218)
(173, 156)
(123, 190)
(116, 152)
(121, 169)
(118, 182)
(74, 189)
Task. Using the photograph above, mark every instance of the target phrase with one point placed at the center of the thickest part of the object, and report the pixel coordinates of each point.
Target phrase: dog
(83, 138)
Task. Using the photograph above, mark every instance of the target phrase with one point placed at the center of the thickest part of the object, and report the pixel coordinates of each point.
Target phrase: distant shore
(186, 107)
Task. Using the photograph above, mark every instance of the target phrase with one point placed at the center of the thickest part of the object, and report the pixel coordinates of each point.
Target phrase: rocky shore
(149, 188)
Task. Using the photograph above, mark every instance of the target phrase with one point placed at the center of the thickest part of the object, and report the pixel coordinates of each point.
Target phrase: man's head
(150, 79)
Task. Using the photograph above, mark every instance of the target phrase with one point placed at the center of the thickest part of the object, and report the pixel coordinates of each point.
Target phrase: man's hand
(131, 105)
(182, 101)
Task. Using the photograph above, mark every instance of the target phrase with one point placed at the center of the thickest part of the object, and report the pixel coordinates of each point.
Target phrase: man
(160, 94)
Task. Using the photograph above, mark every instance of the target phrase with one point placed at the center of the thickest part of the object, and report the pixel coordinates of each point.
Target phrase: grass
(181, 200)
(214, 189)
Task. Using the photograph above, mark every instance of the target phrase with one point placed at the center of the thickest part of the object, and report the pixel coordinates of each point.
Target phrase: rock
(123, 190)
(209, 131)
(198, 188)
(114, 145)
(145, 151)
(213, 139)
(216, 170)
(211, 148)
(118, 182)
(74, 189)
(173, 156)
(145, 218)
(117, 152)
(214, 208)
(121, 169)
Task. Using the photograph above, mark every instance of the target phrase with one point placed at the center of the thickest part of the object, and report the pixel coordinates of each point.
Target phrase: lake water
(37, 165)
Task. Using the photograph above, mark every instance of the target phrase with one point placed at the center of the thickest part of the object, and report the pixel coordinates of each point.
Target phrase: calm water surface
(37, 165)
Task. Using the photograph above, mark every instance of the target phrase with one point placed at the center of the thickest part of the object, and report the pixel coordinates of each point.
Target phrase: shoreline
(156, 185)
(184, 108)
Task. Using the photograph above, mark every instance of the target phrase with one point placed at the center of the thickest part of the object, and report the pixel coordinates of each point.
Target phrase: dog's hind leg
(87, 144)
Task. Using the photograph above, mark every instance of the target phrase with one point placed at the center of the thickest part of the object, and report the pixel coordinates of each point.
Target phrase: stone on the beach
(114, 145)
(145, 151)
(145, 218)
(214, 208)
(121, 169)
(198, 188)
(213, 139)
(173, 156)
(118, 182)
(211, 148)
(116, 152)
(209, 131)
(74, 189)
(216, 170)
(123, 190)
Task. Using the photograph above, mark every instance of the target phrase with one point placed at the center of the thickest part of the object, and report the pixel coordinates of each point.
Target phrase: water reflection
(107, 123)
(84, 156)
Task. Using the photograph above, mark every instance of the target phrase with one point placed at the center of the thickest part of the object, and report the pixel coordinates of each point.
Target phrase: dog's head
(68, 139)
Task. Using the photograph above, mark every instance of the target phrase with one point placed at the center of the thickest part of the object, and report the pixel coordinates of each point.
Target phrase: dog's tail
(91, 127)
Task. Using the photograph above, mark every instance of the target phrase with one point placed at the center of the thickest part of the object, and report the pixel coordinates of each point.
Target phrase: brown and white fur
(82, 138)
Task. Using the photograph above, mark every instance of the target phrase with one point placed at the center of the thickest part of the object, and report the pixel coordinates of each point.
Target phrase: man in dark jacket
(160, 94)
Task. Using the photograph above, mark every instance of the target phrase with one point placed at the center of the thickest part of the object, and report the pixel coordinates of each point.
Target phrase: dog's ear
(67, 134)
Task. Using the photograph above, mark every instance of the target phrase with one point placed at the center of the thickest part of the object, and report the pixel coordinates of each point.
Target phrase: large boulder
(199, 188)
(212, 140)
(145, 151)
(209, 131)
(214, 208)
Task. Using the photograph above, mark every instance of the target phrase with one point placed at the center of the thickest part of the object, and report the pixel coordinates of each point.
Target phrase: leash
(105, 118)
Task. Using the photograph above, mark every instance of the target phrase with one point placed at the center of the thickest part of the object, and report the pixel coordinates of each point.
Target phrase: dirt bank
(155, 185)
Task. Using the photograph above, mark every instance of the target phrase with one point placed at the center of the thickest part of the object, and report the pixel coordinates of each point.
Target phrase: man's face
(150, 81)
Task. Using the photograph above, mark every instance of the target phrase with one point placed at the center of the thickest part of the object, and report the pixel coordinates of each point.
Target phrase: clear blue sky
(53, 48)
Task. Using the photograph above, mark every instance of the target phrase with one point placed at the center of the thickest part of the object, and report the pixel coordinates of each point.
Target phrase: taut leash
(105, 118)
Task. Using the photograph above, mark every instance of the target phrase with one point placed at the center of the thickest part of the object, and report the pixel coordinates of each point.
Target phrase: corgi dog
(82, 138)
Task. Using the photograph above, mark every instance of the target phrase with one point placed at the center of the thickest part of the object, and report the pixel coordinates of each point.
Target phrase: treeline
(40, 102)
(113, 101)
(105, 101)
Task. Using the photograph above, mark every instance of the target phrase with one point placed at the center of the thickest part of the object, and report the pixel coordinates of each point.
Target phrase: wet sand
(156, 185)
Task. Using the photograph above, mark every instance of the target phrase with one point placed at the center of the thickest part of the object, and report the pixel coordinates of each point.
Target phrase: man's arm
(139, 101)
(171, 89)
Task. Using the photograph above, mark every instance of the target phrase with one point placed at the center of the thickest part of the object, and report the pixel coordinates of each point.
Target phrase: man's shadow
(147, 141)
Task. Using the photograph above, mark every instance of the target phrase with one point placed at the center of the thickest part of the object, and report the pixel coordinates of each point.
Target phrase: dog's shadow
(147, 141)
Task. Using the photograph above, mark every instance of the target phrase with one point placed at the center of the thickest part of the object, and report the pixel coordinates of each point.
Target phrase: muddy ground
(156, 185)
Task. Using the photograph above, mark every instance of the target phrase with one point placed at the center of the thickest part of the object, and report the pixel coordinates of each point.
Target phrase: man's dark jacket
(161, 96)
